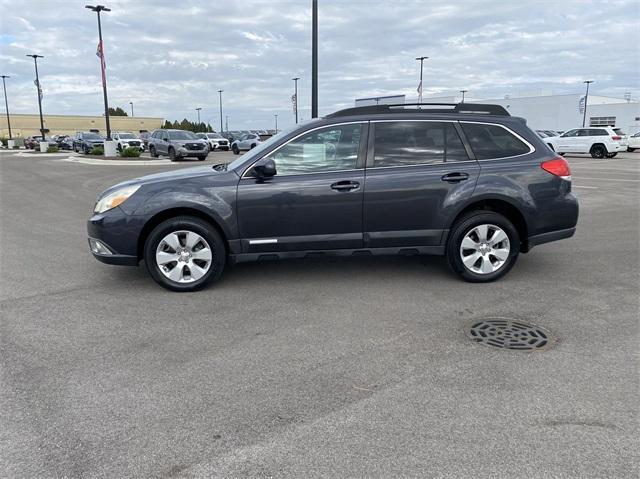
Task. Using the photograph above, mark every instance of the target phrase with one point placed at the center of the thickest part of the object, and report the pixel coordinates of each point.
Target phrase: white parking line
(605, 179)
(585, 187)
(91, 161)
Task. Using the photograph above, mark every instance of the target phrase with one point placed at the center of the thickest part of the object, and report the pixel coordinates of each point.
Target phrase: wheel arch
(505, 208)
(173, 213)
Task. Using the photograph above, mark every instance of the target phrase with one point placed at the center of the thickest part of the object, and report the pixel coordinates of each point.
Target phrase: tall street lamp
(314, 59)
(220, 92)
(276, 115)
(586, 99)
(131, 103)
(226, 123)
(198, 110)
(295, 97)
(37, 82)
(463, 92)
(103, 67)
(422, 59)
(6, 103)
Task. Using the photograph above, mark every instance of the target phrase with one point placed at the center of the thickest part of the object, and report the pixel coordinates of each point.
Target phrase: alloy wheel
(485, 249)
(184, 256)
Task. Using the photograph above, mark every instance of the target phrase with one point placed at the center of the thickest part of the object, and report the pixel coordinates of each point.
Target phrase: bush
(16, 147)
(5, 141)
(53, 149)
(96, 150)
(130, 152)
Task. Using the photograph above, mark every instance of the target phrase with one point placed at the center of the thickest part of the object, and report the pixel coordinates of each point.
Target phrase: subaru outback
(177, 144)
(467, 181)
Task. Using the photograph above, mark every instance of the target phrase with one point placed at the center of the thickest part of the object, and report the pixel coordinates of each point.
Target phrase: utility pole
(586, 99)
(131, 103)
(35, 62)
(220, 92)
(276, 115)
(463, 92)
(422, 59)
(314, 60)
(226, 123)
(103, 68)
(198, 110)
(295, 96)
(6, 103)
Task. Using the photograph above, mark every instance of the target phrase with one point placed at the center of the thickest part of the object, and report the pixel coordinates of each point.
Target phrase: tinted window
(584, 133)
(597, 132)
(416, 143)
(329, 149)
(493, 141)
(570, 133)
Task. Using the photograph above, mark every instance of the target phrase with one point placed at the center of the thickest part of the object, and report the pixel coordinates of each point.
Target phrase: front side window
(334, 148)
(493, 141)
(570, 133)
(406, 143)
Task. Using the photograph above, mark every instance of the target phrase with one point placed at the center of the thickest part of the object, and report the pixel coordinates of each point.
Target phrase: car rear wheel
(598, 151)
(152, 152)
(631, 150)
(184, 254)
(482, 246)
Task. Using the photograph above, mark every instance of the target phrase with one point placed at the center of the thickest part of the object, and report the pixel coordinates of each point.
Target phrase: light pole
(103, 68)
(198, 110)
(226, 123)
(295, 96)
(131, 103)
(422, 59)
(35, 62)
(6, 103)
(463, 92)
(314, 60)
(276, 115)
(220, 92)
(586, 99)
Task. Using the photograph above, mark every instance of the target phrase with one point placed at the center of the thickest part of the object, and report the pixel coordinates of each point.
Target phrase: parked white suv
(125, 139)
(215, 140)
(634, 142)
(600, 142)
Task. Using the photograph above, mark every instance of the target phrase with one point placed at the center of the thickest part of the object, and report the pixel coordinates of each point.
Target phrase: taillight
(558, 167)
(616, 138)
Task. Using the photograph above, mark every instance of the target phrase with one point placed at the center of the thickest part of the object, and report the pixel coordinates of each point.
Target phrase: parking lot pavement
(317, 368)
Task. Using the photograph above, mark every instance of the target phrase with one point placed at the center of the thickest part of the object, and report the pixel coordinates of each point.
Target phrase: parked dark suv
(467, 181)
(85, 141)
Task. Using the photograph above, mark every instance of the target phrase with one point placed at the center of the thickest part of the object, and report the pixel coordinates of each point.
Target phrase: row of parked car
(599, 142)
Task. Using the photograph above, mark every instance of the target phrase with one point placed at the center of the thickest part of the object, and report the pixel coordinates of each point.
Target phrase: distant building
(23, 125)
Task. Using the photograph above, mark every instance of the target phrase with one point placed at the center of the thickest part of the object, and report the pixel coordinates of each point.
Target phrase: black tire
(172, 154)
(85, 150)
(466, 224)
(253, 146)
(119, 148)
(235, 149)
(612, 155)
(185, 223)
(598, 151)
(631, 150)
(152, 152)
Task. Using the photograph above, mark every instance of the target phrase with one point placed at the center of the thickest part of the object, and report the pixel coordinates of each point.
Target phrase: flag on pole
(420, 92)
(103, 66)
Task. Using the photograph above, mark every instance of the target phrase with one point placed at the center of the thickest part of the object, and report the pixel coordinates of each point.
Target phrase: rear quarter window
(493, 141)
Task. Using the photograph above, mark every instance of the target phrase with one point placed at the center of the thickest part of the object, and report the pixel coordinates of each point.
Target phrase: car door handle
(455, 177)
(345, 185)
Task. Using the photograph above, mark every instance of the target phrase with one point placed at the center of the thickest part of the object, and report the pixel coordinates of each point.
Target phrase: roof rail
(471, 108)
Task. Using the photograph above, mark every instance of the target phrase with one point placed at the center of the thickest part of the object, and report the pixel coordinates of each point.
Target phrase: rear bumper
(550, 236)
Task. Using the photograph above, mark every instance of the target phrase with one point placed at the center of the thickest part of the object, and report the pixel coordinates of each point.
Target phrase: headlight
(115, 198)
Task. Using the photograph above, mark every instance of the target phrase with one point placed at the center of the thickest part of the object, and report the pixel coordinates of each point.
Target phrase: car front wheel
(482, 246)
(598, 151)
(152, 152)
(184, 254)
(172, 154)
(235, 149)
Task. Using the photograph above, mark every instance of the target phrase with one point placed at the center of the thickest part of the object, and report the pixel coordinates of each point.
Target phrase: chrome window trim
(532, 149)
(359, 122)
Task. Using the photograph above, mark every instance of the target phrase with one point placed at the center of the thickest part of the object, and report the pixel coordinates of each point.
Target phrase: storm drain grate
(510, 334)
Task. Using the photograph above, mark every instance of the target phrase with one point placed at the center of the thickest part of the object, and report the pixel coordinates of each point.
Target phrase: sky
(170, 57)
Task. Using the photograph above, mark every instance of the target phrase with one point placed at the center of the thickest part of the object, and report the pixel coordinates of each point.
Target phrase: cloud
(169, 58)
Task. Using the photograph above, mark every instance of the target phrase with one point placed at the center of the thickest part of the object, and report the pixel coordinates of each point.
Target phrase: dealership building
(24, 125)
(549, 112)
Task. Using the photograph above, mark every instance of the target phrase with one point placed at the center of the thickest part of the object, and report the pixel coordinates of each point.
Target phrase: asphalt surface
(314, 368)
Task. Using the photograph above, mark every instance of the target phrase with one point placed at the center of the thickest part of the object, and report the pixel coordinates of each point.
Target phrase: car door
(583, 141)
(567, 142)
(162, 146)
(417, 171)
(314, 202)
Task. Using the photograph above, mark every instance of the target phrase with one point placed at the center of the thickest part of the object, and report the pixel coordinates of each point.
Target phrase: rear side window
(407, 143)
(492, 141)
(597, 132)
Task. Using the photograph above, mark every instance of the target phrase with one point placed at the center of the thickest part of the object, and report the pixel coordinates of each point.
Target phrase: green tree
(167, 125)
(117, 111)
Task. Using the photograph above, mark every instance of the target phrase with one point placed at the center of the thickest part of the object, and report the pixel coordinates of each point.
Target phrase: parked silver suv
(177, 144)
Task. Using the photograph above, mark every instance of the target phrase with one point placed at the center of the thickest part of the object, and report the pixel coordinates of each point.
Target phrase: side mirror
(265, 168)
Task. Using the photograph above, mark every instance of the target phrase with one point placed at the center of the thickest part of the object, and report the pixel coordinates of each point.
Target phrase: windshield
(257, 151)
(215, 136)
(182, 135)
(91, 136)
(126, 135)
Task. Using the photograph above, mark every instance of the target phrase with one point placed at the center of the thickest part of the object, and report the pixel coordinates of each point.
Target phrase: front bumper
(113, 237)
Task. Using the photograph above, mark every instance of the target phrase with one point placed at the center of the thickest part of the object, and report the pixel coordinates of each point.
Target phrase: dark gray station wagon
(463, 180)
